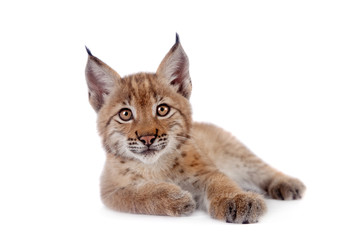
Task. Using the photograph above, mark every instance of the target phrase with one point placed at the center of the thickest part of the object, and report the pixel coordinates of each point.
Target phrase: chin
(153, 157)
(149, 158)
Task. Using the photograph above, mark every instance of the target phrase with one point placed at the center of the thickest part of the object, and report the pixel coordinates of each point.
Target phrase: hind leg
(249, 170)
(239, 163)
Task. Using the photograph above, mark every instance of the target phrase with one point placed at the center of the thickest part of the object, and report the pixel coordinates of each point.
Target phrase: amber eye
(125, 114)
(163, 110)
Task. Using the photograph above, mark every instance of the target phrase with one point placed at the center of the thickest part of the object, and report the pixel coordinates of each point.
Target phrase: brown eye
(125, 114)
(163, 110)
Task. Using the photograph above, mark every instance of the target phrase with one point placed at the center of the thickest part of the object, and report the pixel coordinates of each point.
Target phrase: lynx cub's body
(160, 162)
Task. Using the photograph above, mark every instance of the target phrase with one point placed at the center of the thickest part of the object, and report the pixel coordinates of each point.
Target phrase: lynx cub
(161, 162)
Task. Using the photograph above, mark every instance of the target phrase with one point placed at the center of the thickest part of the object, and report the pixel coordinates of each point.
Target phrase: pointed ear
(100, 79)
(174, 69)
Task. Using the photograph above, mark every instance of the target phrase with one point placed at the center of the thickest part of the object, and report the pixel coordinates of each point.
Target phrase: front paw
(178, 203)
(238, 208)
(286, 188)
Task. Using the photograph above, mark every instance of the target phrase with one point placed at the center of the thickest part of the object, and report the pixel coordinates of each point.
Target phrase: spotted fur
(167, 164)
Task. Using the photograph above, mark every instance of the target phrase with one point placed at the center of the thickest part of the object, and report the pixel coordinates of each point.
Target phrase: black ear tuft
(177, 38)
(88, 51)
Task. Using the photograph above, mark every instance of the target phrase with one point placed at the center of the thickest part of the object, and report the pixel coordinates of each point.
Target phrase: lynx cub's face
(143, 119)
(142, 116)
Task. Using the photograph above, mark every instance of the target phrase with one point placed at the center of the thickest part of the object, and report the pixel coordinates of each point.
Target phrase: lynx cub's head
(143, 116)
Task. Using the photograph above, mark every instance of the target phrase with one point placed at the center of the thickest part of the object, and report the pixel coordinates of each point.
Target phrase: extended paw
(179, 203)
(286, 188)
(240, 208)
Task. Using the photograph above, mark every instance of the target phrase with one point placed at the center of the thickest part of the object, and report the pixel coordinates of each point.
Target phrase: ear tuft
(174, 69)
(177, 40)
(88, 51)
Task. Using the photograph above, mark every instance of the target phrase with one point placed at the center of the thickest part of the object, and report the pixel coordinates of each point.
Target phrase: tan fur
(189, 165)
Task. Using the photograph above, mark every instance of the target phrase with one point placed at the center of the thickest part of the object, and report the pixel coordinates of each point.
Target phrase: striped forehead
(141, 88)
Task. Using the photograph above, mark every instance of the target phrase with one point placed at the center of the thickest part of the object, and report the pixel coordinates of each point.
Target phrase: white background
(282, 76)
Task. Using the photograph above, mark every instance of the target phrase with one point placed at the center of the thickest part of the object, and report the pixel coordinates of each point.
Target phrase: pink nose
(147, 140)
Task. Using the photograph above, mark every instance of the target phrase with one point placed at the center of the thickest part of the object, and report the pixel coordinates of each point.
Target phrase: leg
(221, 196)
(245, 168)
(250, 171)
(227, 202)
(149, 198)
